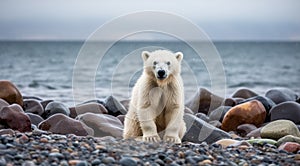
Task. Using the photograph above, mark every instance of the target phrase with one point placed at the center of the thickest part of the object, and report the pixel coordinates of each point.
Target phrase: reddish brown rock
(252, 112)
(14, 117)
(62, 124)
(244, 93)
(88, 107)
(204, 101)
(103, 124)
(10, 93)
(292, 147)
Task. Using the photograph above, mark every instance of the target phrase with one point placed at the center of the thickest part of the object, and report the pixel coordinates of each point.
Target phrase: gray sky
(220, 19)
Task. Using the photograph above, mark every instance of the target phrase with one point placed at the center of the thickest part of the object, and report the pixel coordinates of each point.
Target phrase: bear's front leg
(148, 126)
(173, 118)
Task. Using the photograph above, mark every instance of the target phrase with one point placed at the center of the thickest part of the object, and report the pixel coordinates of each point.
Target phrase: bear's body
(157, 103)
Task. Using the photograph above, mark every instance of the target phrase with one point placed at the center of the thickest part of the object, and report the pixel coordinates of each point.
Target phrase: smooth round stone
(280, 95)
(108, 160)
(125, 103)
(291, 147)
(44, 103)
(10, 93)
(262, 141)
(244, 93)
(252, 112)
(62, 124)
(33, 106)
(254, 134)
(245, 129)
(35, 119)
(88, 107)
(31, 98)
(219, 113)
(114, 107)
(102, 124)
(226, 142)
(121, 118)
(229, 102)
(289, 110)
(288, 138)
(127, 161)
(204, 101)
(14, 117)
(278, 129)
(202, 116)
(199, 131)
(3, 103)
(55, 108)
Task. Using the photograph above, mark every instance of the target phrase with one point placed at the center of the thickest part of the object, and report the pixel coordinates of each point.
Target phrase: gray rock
(288, 138)
(278, 129)
(54, 108)
(127, 161)
(33, 106)
(280, 95)
(289, 110)
(114, 107)
(200, 131)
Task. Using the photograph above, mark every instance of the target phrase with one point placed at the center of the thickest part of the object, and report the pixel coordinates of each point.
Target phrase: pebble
(127, 161)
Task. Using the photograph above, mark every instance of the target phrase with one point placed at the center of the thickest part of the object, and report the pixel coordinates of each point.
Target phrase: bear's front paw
(172, 139)
(153, 138)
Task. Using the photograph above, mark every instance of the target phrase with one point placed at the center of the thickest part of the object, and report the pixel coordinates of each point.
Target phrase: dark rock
(62, 124)
(103, 124)
(215, 123)
(88, 107)
(108, 160)
(10, 93)
(252, 112)
(54, 108)
(280, 95)
(127, 161)
(244, 129)
(255, 133)
(33, 106)
(289, 110)
(125, 103)
(244, 93)
(268, 104)
(121, 118)
(229, 102)
(35, 119)
(14, 117)
(202, 116)
(219, 113)
(199, 131)
(114, 107)
(204, 101)
(45, 103)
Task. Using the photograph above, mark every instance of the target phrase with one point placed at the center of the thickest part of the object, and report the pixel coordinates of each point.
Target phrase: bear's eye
(168, 63)
(154, 63)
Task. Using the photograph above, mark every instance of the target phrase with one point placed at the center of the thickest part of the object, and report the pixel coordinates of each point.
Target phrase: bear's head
(162, 65)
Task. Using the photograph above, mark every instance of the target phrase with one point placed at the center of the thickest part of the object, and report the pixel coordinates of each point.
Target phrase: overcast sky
(220, 19)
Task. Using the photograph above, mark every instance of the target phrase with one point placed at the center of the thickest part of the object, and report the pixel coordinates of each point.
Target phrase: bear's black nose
(161, 73)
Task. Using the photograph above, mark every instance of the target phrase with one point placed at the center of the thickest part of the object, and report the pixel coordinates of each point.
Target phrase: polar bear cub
(157, 103)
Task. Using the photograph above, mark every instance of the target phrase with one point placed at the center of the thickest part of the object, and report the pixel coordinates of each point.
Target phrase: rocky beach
(246, 128)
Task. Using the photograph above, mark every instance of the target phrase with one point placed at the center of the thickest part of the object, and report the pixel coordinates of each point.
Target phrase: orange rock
(252, 112)
(10, 93)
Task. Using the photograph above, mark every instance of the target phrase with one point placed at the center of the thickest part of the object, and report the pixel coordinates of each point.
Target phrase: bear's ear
(179, 56)
(145, 55)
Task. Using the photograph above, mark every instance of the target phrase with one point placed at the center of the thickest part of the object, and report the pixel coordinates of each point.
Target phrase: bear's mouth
(161, 77)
